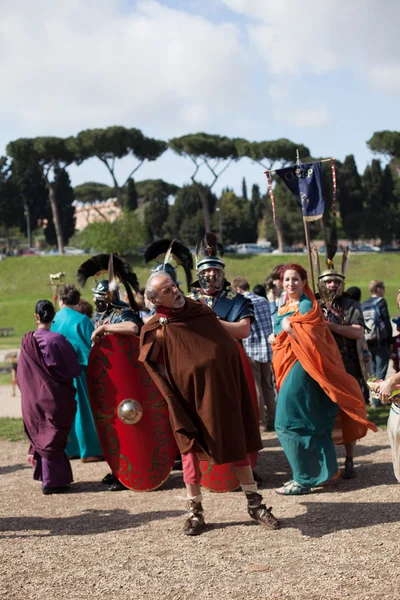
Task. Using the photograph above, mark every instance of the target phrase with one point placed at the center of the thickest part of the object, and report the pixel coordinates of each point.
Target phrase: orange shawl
(318, 354)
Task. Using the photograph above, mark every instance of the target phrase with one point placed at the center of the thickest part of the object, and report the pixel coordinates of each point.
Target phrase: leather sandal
(259, 512)
(194, 524)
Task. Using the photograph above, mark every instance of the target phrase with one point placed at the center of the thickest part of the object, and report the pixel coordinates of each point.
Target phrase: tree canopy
(91, 191)
(216, 152)
(113, 143)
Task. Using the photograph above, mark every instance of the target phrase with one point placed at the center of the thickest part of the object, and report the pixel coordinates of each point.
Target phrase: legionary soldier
(345, 320)
(233, 309)
(113, 315)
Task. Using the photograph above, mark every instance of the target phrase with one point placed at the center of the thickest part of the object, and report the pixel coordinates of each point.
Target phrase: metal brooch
(163, 320)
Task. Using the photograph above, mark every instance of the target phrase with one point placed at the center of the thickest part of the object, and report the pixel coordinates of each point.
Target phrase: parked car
(252, 249)
(71, 251)
(368, 248)
(26, 252)
(389, 248)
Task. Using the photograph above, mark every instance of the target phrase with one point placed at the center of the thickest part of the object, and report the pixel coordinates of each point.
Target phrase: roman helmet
(330, 273)
(209, 253)
(106, 291)
(168, 256)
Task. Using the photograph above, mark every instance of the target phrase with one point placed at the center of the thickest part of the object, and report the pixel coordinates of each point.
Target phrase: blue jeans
(380, 360)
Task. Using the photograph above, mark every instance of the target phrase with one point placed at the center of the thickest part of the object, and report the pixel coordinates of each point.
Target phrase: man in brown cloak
(196, 365)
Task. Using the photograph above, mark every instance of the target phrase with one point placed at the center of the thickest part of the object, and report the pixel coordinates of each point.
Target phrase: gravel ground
(342, 542)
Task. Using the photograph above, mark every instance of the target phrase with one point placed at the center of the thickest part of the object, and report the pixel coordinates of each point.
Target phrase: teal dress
(304, 420)
(78, 328)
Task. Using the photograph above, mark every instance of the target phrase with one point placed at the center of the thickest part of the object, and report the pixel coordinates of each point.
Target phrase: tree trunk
(279, 233)
(206, 213)
(28, 224)
(56, 218)
(8, 244)
(119, 195)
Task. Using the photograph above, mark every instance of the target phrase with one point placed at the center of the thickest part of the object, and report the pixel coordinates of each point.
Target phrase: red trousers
(191, 467)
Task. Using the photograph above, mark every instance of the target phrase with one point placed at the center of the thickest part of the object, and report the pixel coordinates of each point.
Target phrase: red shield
(130, 414)
(222, 478)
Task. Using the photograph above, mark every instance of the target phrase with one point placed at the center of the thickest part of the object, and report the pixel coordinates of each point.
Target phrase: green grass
(379, 415)
(5, 378)
(11, 430)
(24, 280)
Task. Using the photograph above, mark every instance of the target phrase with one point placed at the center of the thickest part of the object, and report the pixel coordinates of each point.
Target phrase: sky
(323, 74)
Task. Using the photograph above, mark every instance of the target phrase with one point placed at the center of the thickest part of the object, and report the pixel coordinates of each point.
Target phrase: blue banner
(305, 182)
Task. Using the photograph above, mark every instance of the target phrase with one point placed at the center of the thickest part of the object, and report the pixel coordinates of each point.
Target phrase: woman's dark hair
(69, 294)
(354, 293)
(269, 283)
(273, 276)
(294, 267)
(260, 290)
(276, 270)
(84, 307)
(45, 311)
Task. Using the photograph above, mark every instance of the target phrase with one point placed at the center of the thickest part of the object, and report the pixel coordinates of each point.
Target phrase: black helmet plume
(163, 250)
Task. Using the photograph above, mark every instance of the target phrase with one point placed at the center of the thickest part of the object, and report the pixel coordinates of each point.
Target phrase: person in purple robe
(46, 368)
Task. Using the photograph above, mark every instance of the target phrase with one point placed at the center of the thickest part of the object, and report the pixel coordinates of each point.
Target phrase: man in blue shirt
(259, 352)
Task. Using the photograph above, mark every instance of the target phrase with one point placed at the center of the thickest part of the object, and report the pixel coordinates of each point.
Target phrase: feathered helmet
(169, 255)
(330, 273)
(209, 253)
(106, 290)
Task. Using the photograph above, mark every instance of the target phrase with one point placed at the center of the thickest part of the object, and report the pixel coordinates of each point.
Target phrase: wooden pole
(272, 171)
(308, 244)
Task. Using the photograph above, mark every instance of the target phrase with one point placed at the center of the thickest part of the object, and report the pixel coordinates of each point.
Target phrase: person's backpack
(376, 330)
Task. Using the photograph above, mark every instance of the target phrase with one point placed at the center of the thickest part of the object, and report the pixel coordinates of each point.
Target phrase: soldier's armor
(227, 304)
(341, 311)
(120, 314)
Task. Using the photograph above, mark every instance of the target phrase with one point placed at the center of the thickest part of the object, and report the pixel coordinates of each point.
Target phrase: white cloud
(385, 78)
(287, 109)
(77, 64)
(94, 63)
(304, 117)
(319, 37)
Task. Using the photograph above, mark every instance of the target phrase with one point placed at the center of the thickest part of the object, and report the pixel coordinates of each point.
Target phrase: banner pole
(323, 160)
(308, 244)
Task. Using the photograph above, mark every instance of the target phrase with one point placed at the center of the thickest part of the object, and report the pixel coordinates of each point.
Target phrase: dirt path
(341, 543)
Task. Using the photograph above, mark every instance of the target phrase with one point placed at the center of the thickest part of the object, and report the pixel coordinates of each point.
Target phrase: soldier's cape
(208, 395)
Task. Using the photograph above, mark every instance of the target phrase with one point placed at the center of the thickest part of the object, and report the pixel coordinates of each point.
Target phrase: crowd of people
(309, 355)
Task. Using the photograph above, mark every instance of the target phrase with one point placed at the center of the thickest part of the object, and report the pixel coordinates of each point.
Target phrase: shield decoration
(223, 478)
(131, 416)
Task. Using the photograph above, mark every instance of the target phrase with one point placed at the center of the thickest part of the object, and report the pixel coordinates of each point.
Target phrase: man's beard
(328, 296)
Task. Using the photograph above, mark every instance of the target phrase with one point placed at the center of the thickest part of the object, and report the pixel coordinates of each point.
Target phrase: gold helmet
(330, 272)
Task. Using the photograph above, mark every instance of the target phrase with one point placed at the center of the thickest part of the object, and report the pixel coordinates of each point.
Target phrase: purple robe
(46, 366)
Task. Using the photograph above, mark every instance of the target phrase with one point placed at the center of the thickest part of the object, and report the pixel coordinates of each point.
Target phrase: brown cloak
(207, 393)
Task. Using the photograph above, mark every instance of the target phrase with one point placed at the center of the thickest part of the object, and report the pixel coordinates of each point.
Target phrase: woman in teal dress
(305, 415)
(78, 328)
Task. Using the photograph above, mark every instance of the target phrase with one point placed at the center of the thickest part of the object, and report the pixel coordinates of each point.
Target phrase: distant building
(101, 210)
